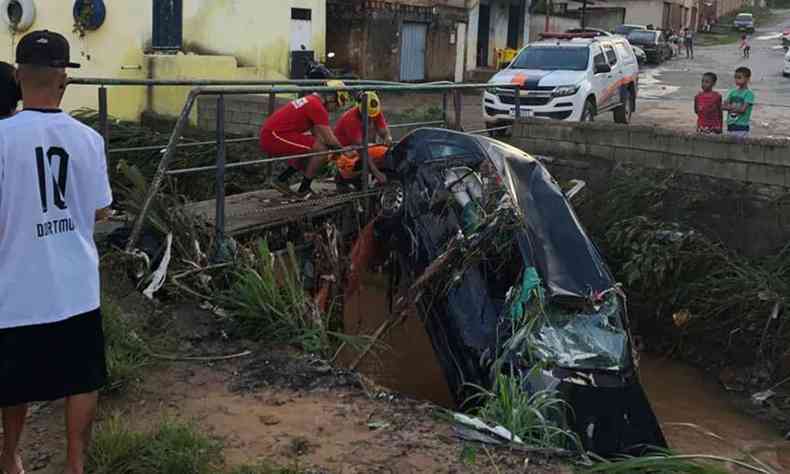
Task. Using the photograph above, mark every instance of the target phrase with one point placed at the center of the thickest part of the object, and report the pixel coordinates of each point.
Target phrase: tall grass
(538, 418)
(125, 352)
(669, 463)
(172, 448)
(269, 302)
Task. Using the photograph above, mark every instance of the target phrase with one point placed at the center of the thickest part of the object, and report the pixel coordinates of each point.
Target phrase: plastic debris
(160, 274)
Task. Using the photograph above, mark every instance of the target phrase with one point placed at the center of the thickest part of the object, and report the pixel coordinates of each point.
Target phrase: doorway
(412, 53)
(301, 29)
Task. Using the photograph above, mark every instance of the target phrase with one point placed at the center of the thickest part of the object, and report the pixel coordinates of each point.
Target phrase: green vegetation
(195, 187)
(269, 301)
(717, 39)
(692, 287)
(126, 354)
(171, 448)
(668, 463)
(538, 419)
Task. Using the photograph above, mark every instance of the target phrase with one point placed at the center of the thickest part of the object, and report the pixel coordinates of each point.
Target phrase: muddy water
(678, 393)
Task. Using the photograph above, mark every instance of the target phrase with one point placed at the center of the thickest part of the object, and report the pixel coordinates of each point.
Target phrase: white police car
(566, 77)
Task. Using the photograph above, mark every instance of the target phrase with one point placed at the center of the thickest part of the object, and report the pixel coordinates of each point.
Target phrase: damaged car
(491, 254)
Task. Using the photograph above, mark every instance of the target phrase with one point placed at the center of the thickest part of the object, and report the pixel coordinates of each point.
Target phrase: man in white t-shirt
(53, 188)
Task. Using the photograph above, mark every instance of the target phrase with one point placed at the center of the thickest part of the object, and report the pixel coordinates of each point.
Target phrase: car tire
(622, 114)
(589, 111)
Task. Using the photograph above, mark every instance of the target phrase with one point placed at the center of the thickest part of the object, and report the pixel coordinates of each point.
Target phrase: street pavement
(667, 91)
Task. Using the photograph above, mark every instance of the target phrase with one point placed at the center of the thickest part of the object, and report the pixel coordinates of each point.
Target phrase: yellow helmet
(374, 104)
(343, 97)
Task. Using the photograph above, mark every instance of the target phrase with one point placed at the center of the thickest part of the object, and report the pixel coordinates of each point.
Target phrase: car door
(612, 92)
(600, 80)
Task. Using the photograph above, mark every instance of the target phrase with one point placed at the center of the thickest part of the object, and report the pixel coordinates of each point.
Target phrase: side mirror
(602, 69)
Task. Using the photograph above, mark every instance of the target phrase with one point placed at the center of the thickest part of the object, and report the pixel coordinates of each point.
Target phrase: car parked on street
(744, 22)
(641, 56)
(653, 43)
(566, 78)
(786, 69)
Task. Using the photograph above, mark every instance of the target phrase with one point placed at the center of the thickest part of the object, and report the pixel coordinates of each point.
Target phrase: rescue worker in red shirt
(284, 133)
(348, 131)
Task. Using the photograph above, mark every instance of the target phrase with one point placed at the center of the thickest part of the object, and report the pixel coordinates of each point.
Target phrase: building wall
(556, 23)
(605, 18)
(366, 39)
(223, 39)
(640, 12)
(729, 6)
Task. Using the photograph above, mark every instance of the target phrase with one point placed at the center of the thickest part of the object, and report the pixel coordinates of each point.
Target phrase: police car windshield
(548, 58)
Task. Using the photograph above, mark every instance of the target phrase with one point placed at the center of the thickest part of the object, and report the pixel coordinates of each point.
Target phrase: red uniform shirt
(709, 113)
(298, 116)
(348, 129)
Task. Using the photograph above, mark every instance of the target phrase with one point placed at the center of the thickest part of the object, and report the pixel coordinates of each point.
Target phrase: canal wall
(736, 191)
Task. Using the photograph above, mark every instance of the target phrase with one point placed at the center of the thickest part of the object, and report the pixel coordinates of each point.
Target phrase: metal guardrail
(221, 89)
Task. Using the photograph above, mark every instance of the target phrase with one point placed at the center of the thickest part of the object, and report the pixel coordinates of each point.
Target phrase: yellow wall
(223, 39)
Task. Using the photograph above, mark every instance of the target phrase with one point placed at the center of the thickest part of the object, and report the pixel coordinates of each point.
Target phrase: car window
(598, 57)
(610, 54)
(547, 58)
(625, 52)
(642, 36)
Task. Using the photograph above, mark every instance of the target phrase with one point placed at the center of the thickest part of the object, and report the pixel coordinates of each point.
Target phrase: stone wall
(244, 114)
(735, 191)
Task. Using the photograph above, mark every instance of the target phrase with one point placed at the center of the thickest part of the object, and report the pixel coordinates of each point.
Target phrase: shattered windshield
(582, 339)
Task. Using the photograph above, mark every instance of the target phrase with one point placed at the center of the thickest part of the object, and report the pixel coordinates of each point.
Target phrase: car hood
(534, 78)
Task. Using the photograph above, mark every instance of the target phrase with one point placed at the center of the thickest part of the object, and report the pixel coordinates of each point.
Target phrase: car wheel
(588, 112)
(622, 114)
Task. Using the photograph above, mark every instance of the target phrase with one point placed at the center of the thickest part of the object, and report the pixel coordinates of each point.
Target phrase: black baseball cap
(44, 48)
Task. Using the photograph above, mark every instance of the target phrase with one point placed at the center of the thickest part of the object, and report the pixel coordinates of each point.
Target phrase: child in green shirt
(739, 104)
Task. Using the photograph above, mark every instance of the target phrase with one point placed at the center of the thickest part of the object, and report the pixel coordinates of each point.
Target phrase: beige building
(170, 39)
(664, 14)
(675, 14)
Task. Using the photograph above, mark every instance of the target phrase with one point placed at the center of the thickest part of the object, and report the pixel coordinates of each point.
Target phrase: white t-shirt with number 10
(53, 179)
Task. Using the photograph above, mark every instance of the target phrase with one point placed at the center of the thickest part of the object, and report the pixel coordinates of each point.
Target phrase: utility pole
(584, 14)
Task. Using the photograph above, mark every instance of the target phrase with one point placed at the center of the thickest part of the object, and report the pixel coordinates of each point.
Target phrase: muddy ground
(274, 405)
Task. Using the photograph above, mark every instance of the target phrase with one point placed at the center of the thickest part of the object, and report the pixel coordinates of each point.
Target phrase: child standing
(739, 104)
(708, 106)
(745, 46)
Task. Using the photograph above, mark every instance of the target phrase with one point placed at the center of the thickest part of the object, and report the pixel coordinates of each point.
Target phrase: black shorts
(50, 361)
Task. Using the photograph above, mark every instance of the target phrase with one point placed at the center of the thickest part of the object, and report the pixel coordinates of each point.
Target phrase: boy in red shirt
(707, 106)
(284, 133)
(348, 131)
